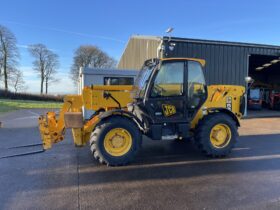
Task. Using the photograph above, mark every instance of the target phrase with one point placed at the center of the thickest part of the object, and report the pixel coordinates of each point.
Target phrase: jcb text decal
(168, 110)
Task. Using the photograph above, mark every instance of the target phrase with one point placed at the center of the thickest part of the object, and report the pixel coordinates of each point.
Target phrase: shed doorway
(264, 92)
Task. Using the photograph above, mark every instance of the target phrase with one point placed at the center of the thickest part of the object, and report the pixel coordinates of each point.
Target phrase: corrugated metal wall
(226, 62)
(138, 49)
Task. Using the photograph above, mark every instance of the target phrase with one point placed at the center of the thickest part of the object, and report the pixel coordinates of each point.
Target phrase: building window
(118, 80)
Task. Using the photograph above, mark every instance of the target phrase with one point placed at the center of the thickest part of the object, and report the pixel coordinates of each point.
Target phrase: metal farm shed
(137, 50)
(226, 62)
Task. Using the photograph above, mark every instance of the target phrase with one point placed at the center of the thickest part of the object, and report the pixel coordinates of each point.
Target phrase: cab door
(167, 94)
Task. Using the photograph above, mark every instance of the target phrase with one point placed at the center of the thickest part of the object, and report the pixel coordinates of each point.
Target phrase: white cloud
(64, 85)
(22, 46)
(27, 71)
(109, 38)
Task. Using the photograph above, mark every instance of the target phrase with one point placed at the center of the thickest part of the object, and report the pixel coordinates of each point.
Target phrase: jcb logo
(168, 110)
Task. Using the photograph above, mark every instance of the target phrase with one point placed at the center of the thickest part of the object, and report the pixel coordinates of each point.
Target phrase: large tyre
(216, 135)
(115, 141)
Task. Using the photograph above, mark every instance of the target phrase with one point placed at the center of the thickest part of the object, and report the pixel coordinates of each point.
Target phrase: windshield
(142, 81)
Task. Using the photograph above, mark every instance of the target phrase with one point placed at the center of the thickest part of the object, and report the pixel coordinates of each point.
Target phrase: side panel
(119, 112)
(228, 97)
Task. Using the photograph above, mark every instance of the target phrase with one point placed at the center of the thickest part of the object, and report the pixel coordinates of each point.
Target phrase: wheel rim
(220, 136)
(117, 142)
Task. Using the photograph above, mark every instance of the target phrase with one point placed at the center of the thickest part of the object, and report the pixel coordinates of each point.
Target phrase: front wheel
(216, 135)
(115, 141)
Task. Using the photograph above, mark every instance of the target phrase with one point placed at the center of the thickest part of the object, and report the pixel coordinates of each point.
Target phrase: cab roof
(201, 61)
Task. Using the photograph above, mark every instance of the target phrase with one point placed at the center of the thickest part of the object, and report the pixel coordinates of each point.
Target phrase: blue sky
(63, 25)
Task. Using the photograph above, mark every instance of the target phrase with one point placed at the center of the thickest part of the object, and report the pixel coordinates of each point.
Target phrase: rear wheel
(115, 141)
(216, 135)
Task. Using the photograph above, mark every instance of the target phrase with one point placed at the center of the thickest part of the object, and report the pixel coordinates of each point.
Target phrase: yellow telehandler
(170, 100)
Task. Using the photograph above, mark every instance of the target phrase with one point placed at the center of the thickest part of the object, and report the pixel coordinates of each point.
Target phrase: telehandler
(169, 101)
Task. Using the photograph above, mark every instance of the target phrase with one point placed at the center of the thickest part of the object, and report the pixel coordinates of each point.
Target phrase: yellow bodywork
(201, 61)
(221, 96)
(93, 96)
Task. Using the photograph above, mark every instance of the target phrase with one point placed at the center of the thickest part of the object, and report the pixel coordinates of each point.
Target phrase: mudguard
(224, 110)
(120, 112)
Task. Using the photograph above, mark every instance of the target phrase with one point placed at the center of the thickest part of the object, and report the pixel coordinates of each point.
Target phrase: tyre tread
(97, 132)
(202, 133)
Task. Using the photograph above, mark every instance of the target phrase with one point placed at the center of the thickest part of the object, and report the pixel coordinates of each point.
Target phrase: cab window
(196, 84)
(169, 80)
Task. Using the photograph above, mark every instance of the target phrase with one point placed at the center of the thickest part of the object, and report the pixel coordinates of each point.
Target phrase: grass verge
(8, 105)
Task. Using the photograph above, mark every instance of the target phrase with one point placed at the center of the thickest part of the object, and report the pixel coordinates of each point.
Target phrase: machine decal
(168, 110)
(229, 103)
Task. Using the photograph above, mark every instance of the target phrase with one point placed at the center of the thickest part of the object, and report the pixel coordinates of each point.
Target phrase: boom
(97, 98)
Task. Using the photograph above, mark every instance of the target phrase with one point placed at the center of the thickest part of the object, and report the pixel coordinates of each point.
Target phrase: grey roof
(146, 37)
(205, 41)
(117, 72)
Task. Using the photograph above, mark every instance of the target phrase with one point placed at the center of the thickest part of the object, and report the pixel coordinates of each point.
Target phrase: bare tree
(40, 53)
(8, 53)
(91, 56)
(16, 80)
(45, 63)
(52, 65)
(1, 65)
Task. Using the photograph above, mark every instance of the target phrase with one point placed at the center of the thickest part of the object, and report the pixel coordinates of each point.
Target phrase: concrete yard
(263, 113)
(165, 175)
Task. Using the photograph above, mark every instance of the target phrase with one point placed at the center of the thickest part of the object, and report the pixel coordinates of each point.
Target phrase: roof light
(267, 65)
(169, 30)
(259, 68)
(274, 61)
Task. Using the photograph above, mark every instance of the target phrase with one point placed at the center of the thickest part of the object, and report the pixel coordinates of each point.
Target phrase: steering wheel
(158, 90)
